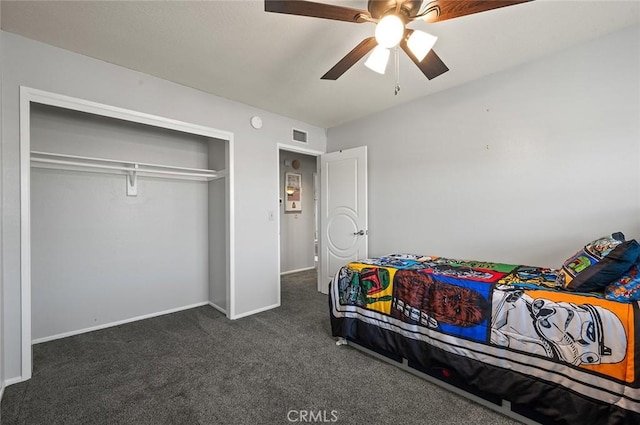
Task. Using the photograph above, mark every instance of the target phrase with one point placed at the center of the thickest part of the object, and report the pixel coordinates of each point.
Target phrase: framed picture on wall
(293, 192)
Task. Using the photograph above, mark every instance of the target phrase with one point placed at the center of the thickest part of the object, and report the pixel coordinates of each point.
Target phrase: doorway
(298, 211)
(341, 229)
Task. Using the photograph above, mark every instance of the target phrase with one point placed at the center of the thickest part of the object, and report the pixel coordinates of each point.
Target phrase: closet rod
(126, 166)
(130, 169)
(89, 158)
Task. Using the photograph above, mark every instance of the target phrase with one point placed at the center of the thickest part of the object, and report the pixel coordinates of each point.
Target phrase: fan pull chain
(397, 89)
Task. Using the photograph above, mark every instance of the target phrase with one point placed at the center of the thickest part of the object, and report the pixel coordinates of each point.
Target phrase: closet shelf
(114, 166)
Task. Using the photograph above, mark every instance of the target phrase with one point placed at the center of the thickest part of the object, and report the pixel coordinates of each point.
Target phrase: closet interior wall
(218, 191)
(100, 257)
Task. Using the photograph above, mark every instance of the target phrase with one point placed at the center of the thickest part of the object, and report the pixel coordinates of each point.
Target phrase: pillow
(599, 263)
(627, 288)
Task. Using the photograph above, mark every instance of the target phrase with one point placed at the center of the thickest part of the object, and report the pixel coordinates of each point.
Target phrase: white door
(343, 211)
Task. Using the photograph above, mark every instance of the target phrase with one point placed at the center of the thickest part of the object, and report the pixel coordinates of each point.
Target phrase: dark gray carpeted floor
(197, 367)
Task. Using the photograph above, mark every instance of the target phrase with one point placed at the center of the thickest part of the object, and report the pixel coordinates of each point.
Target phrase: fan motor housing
(379, 8)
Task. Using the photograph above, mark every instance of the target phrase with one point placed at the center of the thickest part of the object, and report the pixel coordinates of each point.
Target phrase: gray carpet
(197, 367)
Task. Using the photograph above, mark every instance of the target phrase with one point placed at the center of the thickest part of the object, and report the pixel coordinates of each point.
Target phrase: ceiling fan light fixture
(389, 31)
(378, 59)
(420, 43)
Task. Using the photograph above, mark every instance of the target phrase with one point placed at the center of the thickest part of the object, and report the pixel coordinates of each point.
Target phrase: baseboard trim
(12, 381)
(116, 323)
(217, 307)
(260, 310)
(298, 270)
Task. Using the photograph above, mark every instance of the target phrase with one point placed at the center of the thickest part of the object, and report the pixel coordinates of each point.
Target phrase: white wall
(524, 166)
(297, 229)
(33, 64)
(99, 256)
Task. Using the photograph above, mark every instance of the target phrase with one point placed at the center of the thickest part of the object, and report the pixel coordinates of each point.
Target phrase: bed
(511, 335)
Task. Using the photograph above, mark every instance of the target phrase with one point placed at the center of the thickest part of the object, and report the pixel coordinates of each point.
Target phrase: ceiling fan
(391, 18)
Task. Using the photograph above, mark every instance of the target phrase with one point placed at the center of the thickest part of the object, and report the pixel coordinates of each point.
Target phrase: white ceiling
(272, 61)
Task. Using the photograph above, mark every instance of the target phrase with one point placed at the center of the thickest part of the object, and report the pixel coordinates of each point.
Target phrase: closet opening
(125, 216)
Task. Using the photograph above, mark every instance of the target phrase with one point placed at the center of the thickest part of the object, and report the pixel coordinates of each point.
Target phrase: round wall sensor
(256, 122)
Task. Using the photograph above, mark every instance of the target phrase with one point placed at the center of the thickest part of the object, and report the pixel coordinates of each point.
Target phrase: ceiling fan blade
(449, 9)
(431, 66)
(350, 59)
(316, 10)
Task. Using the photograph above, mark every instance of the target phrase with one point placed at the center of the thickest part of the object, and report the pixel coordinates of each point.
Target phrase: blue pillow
(599, 263)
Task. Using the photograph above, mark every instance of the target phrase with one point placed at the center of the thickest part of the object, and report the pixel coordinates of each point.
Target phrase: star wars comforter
(504, 329)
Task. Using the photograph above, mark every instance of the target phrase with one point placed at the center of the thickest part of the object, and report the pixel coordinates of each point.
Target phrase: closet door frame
(30, 95)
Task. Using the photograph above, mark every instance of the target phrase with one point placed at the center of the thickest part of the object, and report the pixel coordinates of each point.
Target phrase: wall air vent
(300, 136)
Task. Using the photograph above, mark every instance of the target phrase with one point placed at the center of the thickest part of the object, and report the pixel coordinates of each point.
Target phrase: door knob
(359, 233)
